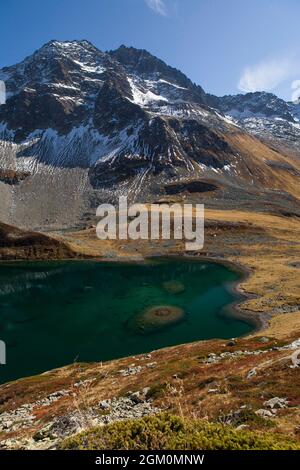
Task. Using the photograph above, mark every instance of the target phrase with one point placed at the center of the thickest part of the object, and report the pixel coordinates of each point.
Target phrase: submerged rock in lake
(109, 301)
(155, 318)
(174, 287)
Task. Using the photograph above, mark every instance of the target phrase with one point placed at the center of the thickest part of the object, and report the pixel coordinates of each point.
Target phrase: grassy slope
(181, 382)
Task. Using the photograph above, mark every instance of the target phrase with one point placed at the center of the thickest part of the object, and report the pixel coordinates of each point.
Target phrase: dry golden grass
(256, 153)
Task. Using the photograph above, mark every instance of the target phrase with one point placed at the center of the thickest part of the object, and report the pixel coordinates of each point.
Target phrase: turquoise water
(55, 313)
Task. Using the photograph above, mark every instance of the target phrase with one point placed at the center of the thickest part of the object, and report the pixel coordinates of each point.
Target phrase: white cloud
(158, 6)
(296, 87)
(267, 75)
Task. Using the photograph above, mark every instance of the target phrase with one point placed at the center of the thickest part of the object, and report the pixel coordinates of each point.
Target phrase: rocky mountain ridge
(264, 115)
(94, 125)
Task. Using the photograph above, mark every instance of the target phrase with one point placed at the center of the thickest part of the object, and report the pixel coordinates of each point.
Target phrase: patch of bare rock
(214, 358)
(133, 406)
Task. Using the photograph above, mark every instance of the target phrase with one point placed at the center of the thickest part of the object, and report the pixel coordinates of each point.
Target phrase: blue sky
(223, 45)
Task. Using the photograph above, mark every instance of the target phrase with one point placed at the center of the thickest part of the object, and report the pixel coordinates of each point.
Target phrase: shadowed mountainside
(16, 244)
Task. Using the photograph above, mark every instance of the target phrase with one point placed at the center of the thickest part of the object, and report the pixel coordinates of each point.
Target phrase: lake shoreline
(262, 247)
(259, 322)
(133, 307)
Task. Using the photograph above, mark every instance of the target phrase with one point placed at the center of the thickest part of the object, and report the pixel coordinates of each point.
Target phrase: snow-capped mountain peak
(259, 104)
(264, 115)
(124, 122)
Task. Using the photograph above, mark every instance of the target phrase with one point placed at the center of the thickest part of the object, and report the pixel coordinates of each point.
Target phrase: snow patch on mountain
(90, 68)
(172, 84)
(83, 146)
(143, 97)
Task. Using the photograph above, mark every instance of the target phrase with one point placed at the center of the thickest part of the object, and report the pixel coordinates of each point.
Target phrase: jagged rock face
(93, 125)
(65, 86)
(259, 104)
(153, 73)
(60, 85)
(113, 111)
(53, 88)
(265, 115)
(166, 146)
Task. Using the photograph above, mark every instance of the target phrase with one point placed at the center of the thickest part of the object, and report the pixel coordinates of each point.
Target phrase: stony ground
(250, 383)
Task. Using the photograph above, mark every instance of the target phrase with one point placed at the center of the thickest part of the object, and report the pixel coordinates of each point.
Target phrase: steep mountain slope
(81, 126)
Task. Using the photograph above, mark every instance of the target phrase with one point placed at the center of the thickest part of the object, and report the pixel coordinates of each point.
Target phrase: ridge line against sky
(225, 47)
(263, 76)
